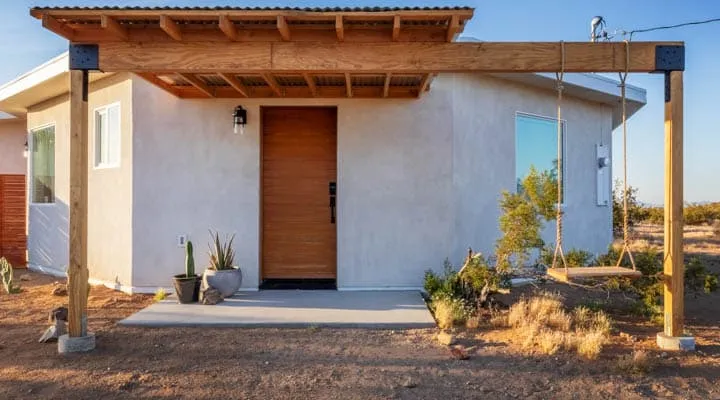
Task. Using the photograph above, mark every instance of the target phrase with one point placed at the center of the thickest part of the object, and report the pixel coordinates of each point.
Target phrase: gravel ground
(197, 363)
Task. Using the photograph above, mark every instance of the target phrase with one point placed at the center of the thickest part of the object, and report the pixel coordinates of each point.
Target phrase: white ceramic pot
(227, 281)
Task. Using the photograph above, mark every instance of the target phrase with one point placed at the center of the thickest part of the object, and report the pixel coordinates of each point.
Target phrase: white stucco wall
(418, 180)
(109, 191)
(12, 145)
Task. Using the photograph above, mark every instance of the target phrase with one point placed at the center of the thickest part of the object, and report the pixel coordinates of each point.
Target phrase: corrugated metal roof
(231, 8)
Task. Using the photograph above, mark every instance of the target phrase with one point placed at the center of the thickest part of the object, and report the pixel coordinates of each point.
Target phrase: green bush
(573, 257)
(693, 214)
(636, 212)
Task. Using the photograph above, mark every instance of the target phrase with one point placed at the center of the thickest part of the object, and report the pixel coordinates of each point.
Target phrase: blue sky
(25, 44)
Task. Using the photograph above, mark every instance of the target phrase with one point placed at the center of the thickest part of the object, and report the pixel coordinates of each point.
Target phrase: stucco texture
(109, 191)
(418, 180)
(12, 144)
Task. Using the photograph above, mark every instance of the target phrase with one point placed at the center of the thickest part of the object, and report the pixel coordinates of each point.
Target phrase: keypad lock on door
(332, 190)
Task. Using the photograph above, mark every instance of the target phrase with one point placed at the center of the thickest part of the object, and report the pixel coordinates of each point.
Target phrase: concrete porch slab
(296, 308)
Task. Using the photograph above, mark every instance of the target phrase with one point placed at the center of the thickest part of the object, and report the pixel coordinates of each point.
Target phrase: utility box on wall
(603, 175)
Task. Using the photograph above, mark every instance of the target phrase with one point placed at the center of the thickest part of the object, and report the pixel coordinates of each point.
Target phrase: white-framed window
(536, 146)
(42, 165)
(107, 136)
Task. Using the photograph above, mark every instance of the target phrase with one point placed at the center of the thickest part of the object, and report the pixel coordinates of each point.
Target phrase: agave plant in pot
(222, 274)
(187, 285)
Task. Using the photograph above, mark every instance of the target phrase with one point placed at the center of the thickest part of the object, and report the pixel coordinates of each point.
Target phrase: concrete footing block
(681, 343)
(67, 344)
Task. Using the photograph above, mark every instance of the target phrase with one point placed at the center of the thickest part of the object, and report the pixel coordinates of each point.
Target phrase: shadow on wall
(48, 235)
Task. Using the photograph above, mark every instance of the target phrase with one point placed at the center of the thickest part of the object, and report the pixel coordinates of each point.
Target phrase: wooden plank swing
(565, 273)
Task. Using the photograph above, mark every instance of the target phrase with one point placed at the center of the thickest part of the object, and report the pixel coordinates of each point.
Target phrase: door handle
(332, 191)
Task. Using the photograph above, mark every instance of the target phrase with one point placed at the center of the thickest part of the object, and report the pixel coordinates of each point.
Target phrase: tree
(523, 216)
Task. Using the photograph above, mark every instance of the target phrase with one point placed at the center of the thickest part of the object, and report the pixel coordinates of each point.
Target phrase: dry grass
(444, 314)
(637, 362)
(472, 322)
(716, 229)
(546, 327)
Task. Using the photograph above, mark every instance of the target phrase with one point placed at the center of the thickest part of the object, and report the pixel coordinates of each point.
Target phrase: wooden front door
(12, 219)
(299, 162)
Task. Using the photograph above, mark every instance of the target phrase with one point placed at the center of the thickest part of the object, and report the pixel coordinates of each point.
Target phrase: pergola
(379, 53)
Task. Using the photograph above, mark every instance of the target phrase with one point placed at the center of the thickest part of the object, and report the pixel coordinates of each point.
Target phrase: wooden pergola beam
(311, 84)
(227, 27)
(348, 85)
(424, 84)
(453, 28)
(283, 28)
(386, 86)
(199, 84)
(272, 83)
(112, 26)
(155, 80)
(339, 28)
(298, 57)
(170, 27)
(53, 25)
(236, 84)
(673, 265)
(396, 28)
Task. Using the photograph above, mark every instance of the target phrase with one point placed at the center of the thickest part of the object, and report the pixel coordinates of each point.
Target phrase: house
(363, 180)
(13, 151)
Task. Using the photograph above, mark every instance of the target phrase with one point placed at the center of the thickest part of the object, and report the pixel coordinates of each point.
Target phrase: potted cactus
(222, 274)
(187, 285)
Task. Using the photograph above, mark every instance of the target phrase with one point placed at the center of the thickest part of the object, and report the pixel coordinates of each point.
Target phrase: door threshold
(298, 284)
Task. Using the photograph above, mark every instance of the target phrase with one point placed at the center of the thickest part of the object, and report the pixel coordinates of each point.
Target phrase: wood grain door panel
(299, 158)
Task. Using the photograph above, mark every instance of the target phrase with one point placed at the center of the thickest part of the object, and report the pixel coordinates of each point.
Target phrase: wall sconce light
(239, 119)
(25, 151)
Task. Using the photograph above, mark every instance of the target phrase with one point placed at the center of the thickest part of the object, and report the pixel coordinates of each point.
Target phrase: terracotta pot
(187, 288)
(226, 281)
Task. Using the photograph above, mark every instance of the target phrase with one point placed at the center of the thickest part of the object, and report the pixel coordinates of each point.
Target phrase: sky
(24, 45)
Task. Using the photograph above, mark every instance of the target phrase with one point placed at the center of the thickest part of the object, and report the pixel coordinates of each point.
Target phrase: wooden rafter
(272, 83)
(53, 25)
(453, 28)
(155, 80)
(170, 27)
(348, 85)
(415, 58)
(311, 84)
(424, 84)
(228, 27)
(236, 84)
(386, 86)
(283, 28)
(396, 28)
(111, 25)
(339, 28)
(199, 84)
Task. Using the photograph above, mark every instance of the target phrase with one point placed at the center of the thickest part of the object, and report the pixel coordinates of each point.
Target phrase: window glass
(42, 165)
(107, 136)
(536, 146)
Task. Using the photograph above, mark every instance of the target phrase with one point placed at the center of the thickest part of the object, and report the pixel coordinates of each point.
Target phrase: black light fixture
(25, 152)
(239, 119)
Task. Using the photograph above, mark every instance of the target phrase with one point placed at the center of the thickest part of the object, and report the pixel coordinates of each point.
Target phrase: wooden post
(673, 267)
(78, 269)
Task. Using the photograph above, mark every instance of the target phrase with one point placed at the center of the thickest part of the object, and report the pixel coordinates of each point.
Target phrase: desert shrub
(523, 216)
(654, 215)
(446, 285)
(7, 278)
(716, 228)
(546, 327)
(693, 214)
(636, 212)
(160, 294)
(451, 311)
(711, 283)
(637, 362)
(573, 257)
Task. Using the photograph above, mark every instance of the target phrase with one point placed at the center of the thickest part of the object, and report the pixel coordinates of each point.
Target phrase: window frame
(31, 164)
(563, 122)
(97, 163)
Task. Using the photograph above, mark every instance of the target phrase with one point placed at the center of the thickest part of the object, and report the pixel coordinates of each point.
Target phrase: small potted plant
(222, 274)
(187, 285)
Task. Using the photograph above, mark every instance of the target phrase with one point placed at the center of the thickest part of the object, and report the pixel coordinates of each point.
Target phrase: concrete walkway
(294, 308)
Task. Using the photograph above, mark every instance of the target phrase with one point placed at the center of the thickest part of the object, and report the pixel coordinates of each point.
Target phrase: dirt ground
(199, 363)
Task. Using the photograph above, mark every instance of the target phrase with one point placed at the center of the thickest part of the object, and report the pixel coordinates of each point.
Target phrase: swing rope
(626, 234)
(558, 216)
